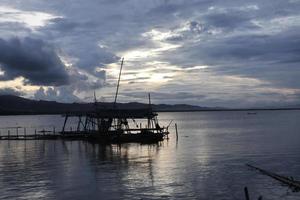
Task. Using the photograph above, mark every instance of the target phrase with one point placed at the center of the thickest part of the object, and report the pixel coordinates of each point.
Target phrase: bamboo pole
(246, 193)
(118, 85)
(176, 131)
(287, 181)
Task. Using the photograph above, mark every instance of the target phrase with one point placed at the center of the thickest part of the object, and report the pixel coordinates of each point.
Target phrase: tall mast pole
(118, 83)
(95, 98)
(149, 98)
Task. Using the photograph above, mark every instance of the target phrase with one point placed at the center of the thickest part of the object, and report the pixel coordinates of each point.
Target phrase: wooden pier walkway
(19, 133)
(31, 136)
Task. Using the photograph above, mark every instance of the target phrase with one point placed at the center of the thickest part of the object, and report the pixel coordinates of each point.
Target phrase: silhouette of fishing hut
(108, 125)
(115, 125)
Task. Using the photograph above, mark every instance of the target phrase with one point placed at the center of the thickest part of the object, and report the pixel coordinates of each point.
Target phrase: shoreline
(16, 113)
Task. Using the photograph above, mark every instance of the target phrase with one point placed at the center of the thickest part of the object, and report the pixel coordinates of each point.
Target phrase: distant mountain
(17, 105)
(13, 105)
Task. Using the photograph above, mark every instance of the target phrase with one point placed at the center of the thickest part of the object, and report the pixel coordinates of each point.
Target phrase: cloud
(80, 43)
(236, 41)
(273, 57)
(11, 91)
(61, 94)
(33, 59)
(164, 96)
(229, 20)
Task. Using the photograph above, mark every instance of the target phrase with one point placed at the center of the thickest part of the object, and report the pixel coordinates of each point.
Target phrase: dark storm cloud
(80, 41)
(229, 20)
(92, 56)
(33, 59)
(66, 25)
(7, 28)
(63, 25)
(182, 8)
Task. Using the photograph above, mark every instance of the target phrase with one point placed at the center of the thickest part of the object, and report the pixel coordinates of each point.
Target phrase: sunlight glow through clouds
(139, 54)
(152, 73)
(198, 67)
(157, 38)
(66, 61)
(31, 19)
(145, 75)
(19, 83)
(156, 35)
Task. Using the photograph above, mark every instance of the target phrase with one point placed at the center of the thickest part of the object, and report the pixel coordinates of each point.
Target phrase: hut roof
(117, 113)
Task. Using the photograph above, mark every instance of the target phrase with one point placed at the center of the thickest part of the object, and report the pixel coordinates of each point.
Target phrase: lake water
(207, 162)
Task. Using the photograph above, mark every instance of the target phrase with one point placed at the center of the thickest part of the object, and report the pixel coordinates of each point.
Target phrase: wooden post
(35, 133)
(176, 132)
(66, 118)
(86, 122)
(53, 130)
(79, 122)
(25, 131)
(246, 193)
(8, 133)
(17, 131)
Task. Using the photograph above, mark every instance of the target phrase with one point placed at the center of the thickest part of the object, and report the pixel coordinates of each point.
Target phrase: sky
(232, 53)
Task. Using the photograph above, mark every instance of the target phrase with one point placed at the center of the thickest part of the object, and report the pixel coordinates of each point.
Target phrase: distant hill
(14, 105)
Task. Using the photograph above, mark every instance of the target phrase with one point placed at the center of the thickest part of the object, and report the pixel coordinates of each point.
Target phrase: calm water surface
(207, 162)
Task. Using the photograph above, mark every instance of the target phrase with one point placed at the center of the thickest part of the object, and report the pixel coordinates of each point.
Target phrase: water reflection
(208, 162)
(60, 169)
